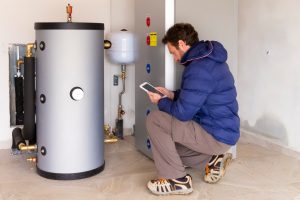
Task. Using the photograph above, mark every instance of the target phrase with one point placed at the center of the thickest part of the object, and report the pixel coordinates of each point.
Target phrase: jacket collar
(198, 51)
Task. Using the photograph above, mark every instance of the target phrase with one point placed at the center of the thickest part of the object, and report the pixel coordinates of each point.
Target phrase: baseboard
(6, 144)
(127, 131)
(272, 144)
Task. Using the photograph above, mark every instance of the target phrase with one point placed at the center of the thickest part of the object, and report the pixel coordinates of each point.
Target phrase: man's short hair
(181, 31)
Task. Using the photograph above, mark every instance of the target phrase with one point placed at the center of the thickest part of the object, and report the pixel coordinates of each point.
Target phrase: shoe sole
(179, 192)
(228, 158)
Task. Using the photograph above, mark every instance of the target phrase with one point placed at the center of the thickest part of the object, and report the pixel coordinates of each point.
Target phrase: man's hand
(154, 98)
(166, 92)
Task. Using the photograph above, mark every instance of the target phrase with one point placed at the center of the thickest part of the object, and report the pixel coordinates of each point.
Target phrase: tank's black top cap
(68, 25)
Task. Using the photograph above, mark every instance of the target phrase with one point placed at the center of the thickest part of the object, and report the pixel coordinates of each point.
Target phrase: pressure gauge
(77, 93)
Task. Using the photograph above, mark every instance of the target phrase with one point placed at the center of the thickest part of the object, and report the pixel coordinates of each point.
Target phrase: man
(198, 123)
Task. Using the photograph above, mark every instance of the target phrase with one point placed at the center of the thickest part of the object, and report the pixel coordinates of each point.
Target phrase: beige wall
(17, 26)
(214, 20)
(122, 16)
(269, 69)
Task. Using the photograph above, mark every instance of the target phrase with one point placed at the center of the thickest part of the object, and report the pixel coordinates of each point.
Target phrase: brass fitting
(107, 44)
(106, 129)
(29, 48)
(32, 159)
(108, 136)
(24, 147)
(112, 139)
(69, 12)
(21, 145)
(19, 63)
(121, 112)
(123, 75)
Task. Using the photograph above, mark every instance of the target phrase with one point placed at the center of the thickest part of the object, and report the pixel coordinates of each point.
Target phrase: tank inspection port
(43, 151)
(76, 93)
(42, 98)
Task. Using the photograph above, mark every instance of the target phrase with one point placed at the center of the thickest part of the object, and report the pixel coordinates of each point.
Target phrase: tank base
(60, 176)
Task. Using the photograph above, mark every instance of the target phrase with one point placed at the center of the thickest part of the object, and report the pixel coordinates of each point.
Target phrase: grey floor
(257, 173)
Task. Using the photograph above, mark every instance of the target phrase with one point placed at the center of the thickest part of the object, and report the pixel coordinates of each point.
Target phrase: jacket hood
(205, 49)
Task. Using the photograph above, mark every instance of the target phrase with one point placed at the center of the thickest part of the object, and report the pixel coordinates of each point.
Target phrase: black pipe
(29, 130)
(17, 138)
(119, 128)
(19, 100)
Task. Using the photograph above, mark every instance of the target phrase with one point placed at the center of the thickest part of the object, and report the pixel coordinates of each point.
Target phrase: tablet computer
(148, 87)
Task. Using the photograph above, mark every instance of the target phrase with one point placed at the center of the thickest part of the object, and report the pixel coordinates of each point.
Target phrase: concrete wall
(269, 69)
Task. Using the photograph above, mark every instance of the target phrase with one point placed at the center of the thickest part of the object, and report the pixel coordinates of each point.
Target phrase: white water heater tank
(69, 99)
(123, 47)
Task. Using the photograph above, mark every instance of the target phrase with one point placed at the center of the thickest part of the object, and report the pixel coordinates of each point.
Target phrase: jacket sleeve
(197, 85)
(176, 94)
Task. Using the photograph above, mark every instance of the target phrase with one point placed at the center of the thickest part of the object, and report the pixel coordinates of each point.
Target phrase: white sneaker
(215, 169)
(171, 186)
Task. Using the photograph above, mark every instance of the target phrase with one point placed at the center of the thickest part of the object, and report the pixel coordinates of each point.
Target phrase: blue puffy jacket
(207, 94)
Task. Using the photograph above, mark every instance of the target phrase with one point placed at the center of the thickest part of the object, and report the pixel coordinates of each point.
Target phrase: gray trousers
(176, 144)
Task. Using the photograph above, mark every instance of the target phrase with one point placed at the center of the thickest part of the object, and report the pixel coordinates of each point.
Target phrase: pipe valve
(122, 112)
(69, 12)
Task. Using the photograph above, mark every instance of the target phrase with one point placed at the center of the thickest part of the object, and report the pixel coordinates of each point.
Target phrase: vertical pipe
(120, 107)
(29, 131)
(119, 121)
(17, 138)
(119, 128)
(19, 100)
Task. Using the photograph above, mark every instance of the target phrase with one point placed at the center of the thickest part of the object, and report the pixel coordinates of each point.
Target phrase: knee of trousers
(151, 120)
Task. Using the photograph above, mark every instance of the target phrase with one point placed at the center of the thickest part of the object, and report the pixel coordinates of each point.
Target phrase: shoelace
(207, 170)
(162, 181)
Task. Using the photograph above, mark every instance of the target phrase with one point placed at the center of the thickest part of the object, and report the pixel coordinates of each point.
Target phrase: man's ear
(182, 46)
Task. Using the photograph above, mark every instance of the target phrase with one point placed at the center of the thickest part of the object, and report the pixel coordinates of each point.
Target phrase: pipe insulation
(17, 138)
(29, 130)
(19, 100)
